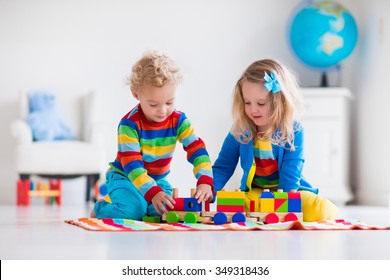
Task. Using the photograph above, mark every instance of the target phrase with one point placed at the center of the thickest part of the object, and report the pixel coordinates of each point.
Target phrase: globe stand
(324, 80)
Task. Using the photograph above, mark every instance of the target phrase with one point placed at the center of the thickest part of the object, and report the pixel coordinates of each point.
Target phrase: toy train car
(270, 207)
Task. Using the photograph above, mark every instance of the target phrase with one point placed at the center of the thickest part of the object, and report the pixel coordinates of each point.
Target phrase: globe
(322, 33)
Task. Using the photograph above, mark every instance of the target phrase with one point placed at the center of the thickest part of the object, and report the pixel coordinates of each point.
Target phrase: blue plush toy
(44, 120)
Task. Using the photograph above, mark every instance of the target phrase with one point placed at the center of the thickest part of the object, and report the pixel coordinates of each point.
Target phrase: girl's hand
(159, 200)
(203, 193)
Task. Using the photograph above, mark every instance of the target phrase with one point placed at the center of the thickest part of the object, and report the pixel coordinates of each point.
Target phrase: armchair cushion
(44, 119)
(59, 158)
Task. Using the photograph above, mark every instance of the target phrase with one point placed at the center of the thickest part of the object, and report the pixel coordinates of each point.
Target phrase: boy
(147, 135)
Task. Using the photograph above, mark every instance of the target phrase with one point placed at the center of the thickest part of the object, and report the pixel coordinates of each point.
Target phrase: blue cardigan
(290, 164)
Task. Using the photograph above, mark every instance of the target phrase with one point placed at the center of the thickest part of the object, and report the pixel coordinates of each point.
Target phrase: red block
(207, 206)
(179, 206)
(56, 185)
(232, 208)
(252, 206)
(295, 195)
(22, 189)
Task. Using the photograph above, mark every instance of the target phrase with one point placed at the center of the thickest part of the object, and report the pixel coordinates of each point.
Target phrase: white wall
(370, 159)
(71, 46)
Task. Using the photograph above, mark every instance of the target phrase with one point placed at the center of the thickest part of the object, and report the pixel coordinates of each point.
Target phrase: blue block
(266, 195)
(191, 204)
(294, 205)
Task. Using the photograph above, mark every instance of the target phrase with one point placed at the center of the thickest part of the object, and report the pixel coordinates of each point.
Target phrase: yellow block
(267, 205)
(231, 194)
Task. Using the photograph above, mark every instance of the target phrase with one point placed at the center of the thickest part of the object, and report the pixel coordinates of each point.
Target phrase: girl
(267, 140)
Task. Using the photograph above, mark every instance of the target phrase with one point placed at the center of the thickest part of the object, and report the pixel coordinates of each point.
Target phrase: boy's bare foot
(93, 214)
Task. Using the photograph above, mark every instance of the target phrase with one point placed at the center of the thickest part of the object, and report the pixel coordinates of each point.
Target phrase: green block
(151, 219)
(231, 201)
(280, 195)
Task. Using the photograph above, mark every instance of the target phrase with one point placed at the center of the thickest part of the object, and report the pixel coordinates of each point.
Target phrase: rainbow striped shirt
(145, 150)
(267, 173)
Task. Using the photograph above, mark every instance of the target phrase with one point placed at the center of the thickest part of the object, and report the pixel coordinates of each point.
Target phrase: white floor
(39, 232)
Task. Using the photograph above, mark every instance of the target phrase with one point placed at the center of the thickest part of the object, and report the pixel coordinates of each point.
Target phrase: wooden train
(270, 207)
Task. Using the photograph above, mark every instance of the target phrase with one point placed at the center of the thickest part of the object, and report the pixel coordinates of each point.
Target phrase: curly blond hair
(153, 68)
(283, 105)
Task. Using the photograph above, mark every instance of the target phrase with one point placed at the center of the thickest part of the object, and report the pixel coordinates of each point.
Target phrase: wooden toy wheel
(271, 218)
(191, 218)
(220, 218)
(290, 217)
(172, 217)
(238, 217)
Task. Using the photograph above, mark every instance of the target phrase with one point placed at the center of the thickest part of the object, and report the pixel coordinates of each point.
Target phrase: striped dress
(145, 150)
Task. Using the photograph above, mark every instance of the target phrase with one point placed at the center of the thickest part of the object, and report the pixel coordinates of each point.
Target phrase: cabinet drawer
(323, 107)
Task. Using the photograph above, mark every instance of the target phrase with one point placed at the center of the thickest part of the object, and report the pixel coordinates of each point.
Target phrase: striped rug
(94, 224)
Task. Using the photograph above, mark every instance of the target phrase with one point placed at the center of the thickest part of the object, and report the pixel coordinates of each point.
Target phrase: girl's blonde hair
(154, 68)
(283, 105)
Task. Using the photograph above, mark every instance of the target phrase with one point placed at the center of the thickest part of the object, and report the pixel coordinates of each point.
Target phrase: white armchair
(66, 158)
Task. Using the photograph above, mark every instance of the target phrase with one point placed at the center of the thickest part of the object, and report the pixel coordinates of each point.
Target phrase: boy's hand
(203, 193)
(159, 200)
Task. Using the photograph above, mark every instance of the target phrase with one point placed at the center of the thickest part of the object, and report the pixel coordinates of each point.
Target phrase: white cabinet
(327, 134)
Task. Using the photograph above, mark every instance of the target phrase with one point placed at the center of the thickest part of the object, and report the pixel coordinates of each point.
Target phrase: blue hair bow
(271, 83)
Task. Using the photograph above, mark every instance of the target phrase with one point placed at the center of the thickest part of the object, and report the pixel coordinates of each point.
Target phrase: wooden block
(151, 219)
(266, 194)
(267, 205)
(281, 205)
(22, 189)
(230, 194)
(57, 185)
(191, 204)
(294, 195)
(205, 206)
(280, 195)
(234, 208)
(179, 204)
(294, 205)
(230, 201)
(252, 206)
